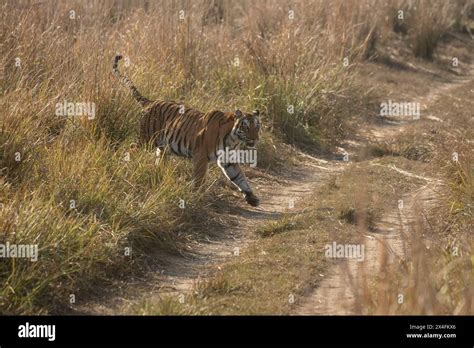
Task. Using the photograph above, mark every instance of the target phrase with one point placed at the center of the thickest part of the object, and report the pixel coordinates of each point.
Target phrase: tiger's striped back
(169, 124)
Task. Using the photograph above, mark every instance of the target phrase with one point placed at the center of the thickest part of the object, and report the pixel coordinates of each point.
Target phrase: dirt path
(339, 291)
(335, 294)
(181, 273)
(275, 200)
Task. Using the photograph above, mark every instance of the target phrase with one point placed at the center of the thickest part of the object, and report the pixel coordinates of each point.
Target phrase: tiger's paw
(251, 199)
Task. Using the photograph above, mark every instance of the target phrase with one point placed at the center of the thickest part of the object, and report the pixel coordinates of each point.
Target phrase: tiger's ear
(238, 113)
(256, 112)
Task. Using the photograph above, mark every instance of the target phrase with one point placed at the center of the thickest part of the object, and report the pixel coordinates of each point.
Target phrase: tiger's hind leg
(160, 153)
(161, 149)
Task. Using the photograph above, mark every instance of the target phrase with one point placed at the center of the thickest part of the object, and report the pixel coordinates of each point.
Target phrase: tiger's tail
(125, 81)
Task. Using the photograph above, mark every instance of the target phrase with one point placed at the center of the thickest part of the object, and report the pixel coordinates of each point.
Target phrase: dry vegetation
(220, 54)
(436, 274)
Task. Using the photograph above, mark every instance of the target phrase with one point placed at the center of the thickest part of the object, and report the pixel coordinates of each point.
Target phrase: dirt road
(339, 292)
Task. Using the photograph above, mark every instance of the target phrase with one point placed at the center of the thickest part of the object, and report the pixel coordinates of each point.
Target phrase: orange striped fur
(196, 135)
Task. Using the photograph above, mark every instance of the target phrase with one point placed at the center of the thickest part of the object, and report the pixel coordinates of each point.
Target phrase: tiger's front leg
(234, 173)
(200, 169)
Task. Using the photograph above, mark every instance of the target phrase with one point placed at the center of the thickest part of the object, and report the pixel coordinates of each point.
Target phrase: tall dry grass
(220, 54)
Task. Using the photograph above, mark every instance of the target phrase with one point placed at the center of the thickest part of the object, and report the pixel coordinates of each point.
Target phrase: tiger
(198, 136)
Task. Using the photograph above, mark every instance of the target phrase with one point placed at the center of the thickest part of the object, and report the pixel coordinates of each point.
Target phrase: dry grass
(435, 272)
(222, 54)
(288, 259)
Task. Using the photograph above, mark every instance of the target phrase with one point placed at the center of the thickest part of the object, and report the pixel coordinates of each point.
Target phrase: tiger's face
(247, 127)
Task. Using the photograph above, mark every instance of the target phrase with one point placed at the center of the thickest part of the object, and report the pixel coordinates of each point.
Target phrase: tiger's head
(247, 127)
